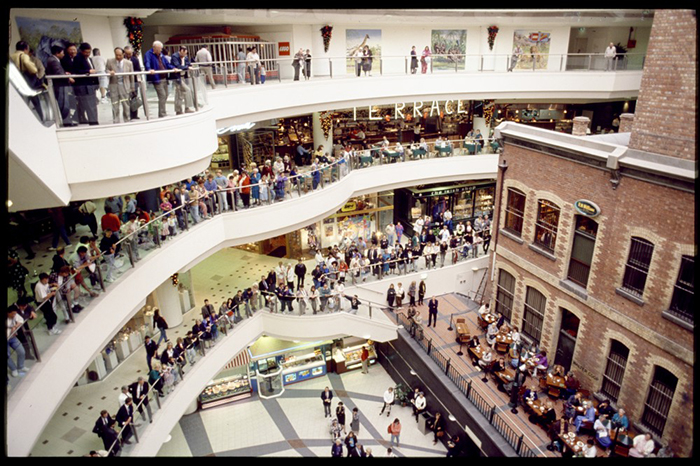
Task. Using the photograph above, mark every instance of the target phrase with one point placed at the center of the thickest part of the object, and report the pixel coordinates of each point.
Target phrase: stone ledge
(510, 235)
(539, 250)
(667, 314)
(626, 294)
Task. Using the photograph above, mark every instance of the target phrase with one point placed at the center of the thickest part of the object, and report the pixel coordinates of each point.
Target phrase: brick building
(595, 245)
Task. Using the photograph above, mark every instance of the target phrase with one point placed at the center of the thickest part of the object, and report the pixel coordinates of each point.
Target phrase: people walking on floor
(388, 401)
(432, 311)
(327, 397)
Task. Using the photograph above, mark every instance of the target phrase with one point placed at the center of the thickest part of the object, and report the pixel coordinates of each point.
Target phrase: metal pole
(590, 59)
(405, 65)
(561, 63)
(99, 275)
(381, 61)
(133, 428)
(225, 69)
(195, 79)
(130, 253)
(330, 65)
(481, 68)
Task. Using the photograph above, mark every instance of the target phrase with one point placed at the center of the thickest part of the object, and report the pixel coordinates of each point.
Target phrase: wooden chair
(554, 392)
(501, 347)
(585, 394)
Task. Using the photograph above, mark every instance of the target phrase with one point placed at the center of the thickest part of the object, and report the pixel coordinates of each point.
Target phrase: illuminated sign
(587, 208)
(449, 106)
(234, 129)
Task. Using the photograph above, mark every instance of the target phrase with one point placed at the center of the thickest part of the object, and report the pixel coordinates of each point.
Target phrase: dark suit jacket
(81, 65)
(164, 358)
(67, 63)
(125, 412)
(100, 426)
(144, 393)
(182, 64)
(54, 67)
(151, 349)
(330, 395)
(108, 438)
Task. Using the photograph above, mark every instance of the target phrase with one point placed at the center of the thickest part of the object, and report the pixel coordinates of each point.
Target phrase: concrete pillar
(626, 121)
(580, 125)
(168, 300)
(120, 37)
(319, 137)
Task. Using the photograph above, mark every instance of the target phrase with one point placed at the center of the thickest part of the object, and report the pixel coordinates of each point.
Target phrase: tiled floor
(294, 423)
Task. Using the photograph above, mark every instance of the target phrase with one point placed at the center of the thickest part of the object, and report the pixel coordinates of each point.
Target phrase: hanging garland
(326, 122)
(175, 279)
(135, 30)
(326, 32)
(493, 30)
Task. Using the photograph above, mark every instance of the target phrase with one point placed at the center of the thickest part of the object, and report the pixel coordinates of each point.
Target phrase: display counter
(349, 358)
(303, 366)
(225, 389)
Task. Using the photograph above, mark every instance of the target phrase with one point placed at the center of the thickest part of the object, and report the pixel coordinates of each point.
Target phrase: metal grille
(615, 370)
(504, 294)
(546, 225)
(534, 314)
(515, 211)
(682, 303)
(659, 400)
(637, 266)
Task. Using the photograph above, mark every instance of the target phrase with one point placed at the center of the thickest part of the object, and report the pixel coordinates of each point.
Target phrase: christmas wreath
(326, 32)
(134, 27)
(493, 30)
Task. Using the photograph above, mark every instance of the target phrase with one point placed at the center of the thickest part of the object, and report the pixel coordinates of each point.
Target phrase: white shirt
(642, 446)
(203, 56)
(389, 396)
(122, 398)
(16, 321)
(610, 52)
(590, 452)
(420, 402)
(41, 291)
(600, 428)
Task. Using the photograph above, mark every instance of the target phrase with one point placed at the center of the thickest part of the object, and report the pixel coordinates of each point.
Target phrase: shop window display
(228, 385)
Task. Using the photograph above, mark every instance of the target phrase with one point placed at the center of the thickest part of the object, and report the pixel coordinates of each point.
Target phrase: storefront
(466, 201)
(359, 217)
(347, 353)
(231, 384)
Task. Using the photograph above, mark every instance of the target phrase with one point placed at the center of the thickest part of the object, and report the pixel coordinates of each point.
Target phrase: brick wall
(661, 215)
(665, 116)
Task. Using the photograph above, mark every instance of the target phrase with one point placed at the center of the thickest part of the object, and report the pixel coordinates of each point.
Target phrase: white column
(168, 300)
(319, 137)
(120, 36)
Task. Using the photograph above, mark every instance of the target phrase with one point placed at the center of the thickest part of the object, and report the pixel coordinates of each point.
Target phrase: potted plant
(401, 393)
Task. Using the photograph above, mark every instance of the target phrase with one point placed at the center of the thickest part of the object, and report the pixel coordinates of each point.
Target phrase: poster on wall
(452, 45)
(41, 34)
(355, 227)
(535, 48)
(356, 40)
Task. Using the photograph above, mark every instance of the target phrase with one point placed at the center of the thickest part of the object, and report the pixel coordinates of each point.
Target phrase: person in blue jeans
(161, 324)
(14, 322)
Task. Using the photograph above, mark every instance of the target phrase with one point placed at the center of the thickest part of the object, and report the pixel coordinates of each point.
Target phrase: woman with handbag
(425, 60)
(340, 415)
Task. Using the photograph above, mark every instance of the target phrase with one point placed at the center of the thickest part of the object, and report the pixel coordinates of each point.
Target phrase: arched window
(547, 224)
(582, 250)
(504, 294)
(534, 314)
(615, 370)
(515, 210)
(659, 399)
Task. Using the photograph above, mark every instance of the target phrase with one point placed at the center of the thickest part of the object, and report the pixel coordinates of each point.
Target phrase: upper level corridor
(58, 165)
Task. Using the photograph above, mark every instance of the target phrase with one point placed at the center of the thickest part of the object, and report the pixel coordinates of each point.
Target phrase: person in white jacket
(388, 401)
(643, 446)
(610, 53)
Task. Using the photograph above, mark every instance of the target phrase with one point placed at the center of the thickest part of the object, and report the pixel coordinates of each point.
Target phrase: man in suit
(153, 61)
(327, 396)
(85, 88)
(102, 423)
(207, 309)
(264, 288)
(151, 350)
(139, 393)
(125, 417)
(62, 87)
(129, 55)
(183, 92)
(121, 87)
(300, 272)
(110, 439)
(432, 311)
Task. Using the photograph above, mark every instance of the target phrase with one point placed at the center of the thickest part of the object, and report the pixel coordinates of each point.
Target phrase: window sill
(512, 236)
(575, 288)
(626, 294)
(677, 320)
(539, 250)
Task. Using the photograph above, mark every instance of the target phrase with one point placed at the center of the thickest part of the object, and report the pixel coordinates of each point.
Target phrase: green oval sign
(587, 208)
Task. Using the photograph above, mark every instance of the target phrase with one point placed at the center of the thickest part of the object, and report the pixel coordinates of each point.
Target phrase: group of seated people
(577, 415)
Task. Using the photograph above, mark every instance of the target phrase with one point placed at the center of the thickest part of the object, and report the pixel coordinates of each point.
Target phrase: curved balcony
(110, 311)
(77, 161)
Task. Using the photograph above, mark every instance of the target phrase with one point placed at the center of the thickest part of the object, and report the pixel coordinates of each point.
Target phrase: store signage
(450, 107)
(349, 206)
(234, 129)
(444, 191)
(283, 48)
(587, 208)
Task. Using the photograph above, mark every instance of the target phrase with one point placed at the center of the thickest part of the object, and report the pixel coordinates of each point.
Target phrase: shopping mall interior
(474, 227)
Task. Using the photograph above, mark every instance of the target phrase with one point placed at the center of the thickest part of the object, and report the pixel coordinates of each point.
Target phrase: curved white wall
(255, 103)
(94, 328)
(311, 328)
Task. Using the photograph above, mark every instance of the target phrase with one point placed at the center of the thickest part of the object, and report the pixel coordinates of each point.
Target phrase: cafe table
(503, 341)
(471, 148)
(366, 160)
(477, 352)
(419, 153)
(443, 151)
(486, 319)
(505, 376)
(623, 441)
(463, 333)
(572, 441)
(555, 383)
(537, 406)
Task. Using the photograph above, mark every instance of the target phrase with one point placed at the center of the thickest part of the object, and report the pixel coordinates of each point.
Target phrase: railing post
(431, 66)
(225, 73)
(492, 414)
(54, 104)
(520, 444)
(99, 275)
(561, 63)
(481, 66)
(590, 60)
(142, 85)
(157, 397)
(130, 253)
(381, 61)
(133, 428)
(370, 311)
(405, 65)
(194, 89)
(430, 345)
(469, 389)
(447, 366)
(330, 67)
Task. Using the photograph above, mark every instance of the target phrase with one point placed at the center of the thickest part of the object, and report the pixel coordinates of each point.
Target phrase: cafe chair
(585, 394)
(501, 347)
(554, 392)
